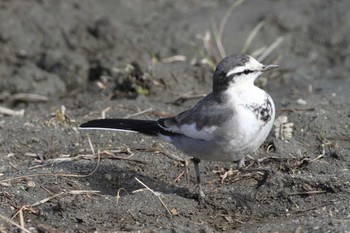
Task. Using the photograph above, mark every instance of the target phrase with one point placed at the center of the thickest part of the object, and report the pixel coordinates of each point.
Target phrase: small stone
(108, 176)
(301, 102)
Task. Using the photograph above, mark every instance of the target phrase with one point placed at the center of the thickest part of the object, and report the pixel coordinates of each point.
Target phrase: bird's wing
(201, 121)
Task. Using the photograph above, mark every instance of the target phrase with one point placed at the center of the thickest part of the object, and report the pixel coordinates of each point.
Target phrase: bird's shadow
(110, 179)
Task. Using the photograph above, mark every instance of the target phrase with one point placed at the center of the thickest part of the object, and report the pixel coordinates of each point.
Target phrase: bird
(232, 121)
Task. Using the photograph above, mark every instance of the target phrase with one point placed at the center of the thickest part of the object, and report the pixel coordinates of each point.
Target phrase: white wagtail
(226, 125)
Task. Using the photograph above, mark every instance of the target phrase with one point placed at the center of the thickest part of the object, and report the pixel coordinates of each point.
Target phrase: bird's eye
(246, 72)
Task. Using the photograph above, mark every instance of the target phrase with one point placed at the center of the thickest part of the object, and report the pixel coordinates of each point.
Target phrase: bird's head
(238, 71)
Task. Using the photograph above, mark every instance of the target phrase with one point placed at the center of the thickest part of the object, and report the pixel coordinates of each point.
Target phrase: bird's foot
(200, 192)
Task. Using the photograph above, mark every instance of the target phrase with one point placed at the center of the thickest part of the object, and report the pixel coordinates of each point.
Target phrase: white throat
(245, 91)
(244, 82)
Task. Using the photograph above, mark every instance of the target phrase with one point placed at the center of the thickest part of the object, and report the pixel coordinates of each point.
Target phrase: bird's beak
(268, 67)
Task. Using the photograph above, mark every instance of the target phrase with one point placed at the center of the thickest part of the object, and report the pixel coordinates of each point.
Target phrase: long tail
(147, 127)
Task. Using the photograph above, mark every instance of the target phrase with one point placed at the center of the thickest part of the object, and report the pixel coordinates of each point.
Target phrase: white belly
(249, 132)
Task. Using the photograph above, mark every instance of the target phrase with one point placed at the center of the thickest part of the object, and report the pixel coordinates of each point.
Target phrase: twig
(218, 42)
(167, 154)
(47, 199)
(139, 113)
(100, 155)
(227, 15)
(218, 33)
(228, 173)
(156, 194)
(98, 158)
(272, 47)
(259, 51)
(320, 156)
(251, 36)
(14, 223)
(74, 192)
(62, 174)
(42, 174)
(127, 159)
(87, 157)
(159, 114)
(179, 176)
(312, 208)
(79, 192)
(186, 97)
(28, 97)
(307, 193)
(10, 112)
(339, 138)
(104, 111)
(173, 59)
(21, 219)
(48, 191)
(296, 109)
(118, 194)
(210, 50)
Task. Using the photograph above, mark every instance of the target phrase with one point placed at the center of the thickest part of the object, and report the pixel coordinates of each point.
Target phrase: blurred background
(63, 62)
(61, 48)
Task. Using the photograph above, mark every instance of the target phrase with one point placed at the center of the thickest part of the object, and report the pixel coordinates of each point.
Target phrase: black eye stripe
(247, 71)
(244, 72)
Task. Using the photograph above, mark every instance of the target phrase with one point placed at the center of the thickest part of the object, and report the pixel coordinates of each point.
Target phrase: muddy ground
(86, 59)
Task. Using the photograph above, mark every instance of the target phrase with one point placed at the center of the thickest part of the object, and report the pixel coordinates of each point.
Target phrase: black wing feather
(147, 127)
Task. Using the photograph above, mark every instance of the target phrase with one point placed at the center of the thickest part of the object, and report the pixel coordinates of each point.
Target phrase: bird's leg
(196, 162)
(241, 164)
(186, 170)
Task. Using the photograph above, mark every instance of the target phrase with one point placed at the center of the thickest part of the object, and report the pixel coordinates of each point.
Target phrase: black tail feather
(142, 126)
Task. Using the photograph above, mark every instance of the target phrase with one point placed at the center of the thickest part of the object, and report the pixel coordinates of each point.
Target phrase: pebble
(301, 102)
